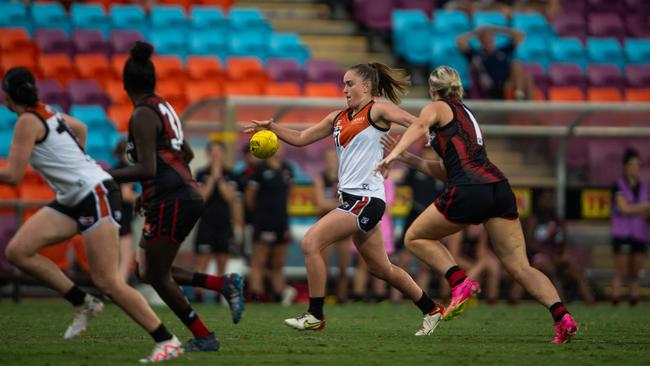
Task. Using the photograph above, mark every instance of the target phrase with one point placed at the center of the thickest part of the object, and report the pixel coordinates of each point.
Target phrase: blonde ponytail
(446, 82)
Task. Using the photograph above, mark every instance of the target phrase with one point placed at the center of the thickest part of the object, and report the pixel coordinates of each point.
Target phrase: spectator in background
(326, 199)
(129, 196)
(629, 227)
(244, 172)
(267, 196)
(222, 211)
(498, 75)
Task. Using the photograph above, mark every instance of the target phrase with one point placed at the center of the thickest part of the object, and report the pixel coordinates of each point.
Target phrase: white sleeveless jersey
(359, 148)
(60, 159)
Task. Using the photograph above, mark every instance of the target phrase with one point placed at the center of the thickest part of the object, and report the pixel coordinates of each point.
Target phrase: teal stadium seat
(170, 17)
(7, 118)
(6, 136)
(169, 42)
(533, 49)
(247, 20)
(532, 23)
(637, 50)
(207, 17)
(489, 18)
(208, 42)
(90, 16)
(568, 50)
(411, 35)
(129, 17)
(93, 116)
(14, 15)
(450, 22)
(288, 45)
(605, 51)
(50, 15)
(249, 43)
(444, 51)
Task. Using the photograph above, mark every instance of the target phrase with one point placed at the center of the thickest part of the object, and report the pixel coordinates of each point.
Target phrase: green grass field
(358, 334)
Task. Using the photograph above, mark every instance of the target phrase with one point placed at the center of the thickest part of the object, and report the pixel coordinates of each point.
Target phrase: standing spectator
(498, 75)
(129, 196)
(629, 227)
(267, 196)
(244, 171)
(326, 199)
(222, 210)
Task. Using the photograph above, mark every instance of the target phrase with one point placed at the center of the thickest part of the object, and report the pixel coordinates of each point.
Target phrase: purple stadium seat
(605, 153)
(574, 6)
(54, 41)
(605, 6)
(323, 71)
(50, 91)
(570, 25)
(87, 92)
(567, 74)
(91, 41)
(636, 25)
(606, 25)
(375, 14)
(605, 75)
(426, 6)
(285, 70)
(637, 76)
(536, 71)
(122, 40)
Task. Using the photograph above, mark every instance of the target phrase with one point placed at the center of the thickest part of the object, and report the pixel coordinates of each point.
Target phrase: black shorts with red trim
(271, 234)
(171, 218)
(368, 210)
(476, 203)
(104, 201)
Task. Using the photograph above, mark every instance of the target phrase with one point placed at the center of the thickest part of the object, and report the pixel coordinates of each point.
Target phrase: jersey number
(174, 123)
(337, 134)
(479, 136)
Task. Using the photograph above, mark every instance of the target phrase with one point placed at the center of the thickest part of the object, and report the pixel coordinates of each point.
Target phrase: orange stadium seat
(120, 115)
(637, 95)
(323, 90)
(287, 89)
(186, 4)
(117, 62)
(16, 41)
(173, 92)
(95, 67)
(198, 90)
(77, 243)
(58, 254)
(565, 94)
(115, 90)
(226, 4)
(243, 88)
(11, 60)
(57, 66)
(246, 69)
(36, 192)
(604, 95)
(169, 68)
(205, 68)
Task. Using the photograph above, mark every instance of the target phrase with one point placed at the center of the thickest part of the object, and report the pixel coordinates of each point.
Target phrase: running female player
(477, 192)
(170, 198)
(87, 201)
(357, 132)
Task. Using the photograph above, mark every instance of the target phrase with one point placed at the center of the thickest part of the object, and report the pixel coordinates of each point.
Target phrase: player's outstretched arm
(293, 137)
(391, 113)
(433, 168)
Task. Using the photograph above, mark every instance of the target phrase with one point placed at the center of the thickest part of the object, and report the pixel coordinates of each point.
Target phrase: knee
(309, 245)
(108, 285)
(517, 269)
(410, 240)
(382, 272)
(14, 253)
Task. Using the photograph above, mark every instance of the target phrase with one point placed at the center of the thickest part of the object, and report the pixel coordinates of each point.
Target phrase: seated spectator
(498, 75)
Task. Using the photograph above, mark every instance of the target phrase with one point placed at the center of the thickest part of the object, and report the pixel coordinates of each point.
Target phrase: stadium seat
(605, 75)
(5, 142)
(249, 43)
(568, 50)
(87, 92)
(450, 22)
(174, 93)
(637, 76)
(637, 95)
(489, 18)
(169, 42)
(224, 4)
(95, 67)
(208, 18)
(243, 87)
(375, 14)
(58, 254)
(246, 69)
(130, 17)
(537, 72)
(426, 6)
(170, 17)
(117, 63)
(205, 68)
(570, 24)
(604, 95)
(12, 60)
(282, 89)
(50, 15)
(90, 16)
(323, 71)
(54, 41)
(115, 90)
(330, 90)
(636, 25)
(565, 94)
(120, 115)
(57, 66)
(7, 119)
(444, 51)
(91, 41)
(405, 24)
(16, 41)
(567, 74)
(169, 68)
(208, 42)
(93, 116)
(185, 4)
(199, 90)
(285, 70)
(606, 25)
(532, 23)
(288, 45)
(605, 6)
(51, 92)
(123, 40)
(35, 191)
(605, 51)
(13, 14)
(247, 20)
(533, 49)
(637, 51)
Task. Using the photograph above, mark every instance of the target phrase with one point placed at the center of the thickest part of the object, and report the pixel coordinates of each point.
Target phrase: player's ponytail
(139, 73)
(445, 81)
(19, 83)
(386, 81)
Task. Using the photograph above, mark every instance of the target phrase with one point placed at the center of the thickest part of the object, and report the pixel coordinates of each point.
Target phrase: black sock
(198, 280)
(455, 275)
(161, 334)
(425, 304)
(75, 296)
(557, 311)
(316, 307)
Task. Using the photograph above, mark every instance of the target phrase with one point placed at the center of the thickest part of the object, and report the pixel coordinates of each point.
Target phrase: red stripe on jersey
(174, 217)
(179, 165)
(451, 198)
(101, 197)
(360, 205)
(160, 217)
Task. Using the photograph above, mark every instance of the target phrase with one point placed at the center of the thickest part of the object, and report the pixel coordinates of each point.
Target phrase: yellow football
(263, 144)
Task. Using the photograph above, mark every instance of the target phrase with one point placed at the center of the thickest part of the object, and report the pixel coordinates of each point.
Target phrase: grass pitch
(31, 333)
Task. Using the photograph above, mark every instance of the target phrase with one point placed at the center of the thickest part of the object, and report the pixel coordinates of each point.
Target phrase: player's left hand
(256, 125)
(384, 166)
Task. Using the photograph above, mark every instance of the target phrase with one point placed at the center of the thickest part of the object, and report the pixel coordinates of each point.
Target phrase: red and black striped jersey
(172, 172)
(461, 146)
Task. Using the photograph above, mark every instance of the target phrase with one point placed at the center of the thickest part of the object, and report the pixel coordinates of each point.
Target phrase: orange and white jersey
(62, 161)
(359, 148)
